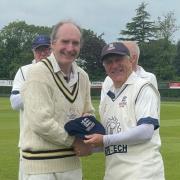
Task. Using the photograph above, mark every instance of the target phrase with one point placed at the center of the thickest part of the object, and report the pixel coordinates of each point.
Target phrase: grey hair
(135, 48)
(58, 25)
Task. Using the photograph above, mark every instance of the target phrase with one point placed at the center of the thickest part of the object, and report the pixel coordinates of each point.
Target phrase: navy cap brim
(110, 54)
(40, 46)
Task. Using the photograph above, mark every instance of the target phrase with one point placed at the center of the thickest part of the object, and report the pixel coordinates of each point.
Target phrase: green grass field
(93, 166)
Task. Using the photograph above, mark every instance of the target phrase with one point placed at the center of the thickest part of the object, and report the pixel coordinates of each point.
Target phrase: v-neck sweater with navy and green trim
(50, 102)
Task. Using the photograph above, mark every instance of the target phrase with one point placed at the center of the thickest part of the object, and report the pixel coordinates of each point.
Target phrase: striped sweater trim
(70, 96)
(52, 154)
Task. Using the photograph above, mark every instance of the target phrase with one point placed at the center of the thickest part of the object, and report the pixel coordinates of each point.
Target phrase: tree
(177, 61)
(167, 26)
(141, 29)
(15, 46)
(90, 53)
(157, 57)
(15, 49)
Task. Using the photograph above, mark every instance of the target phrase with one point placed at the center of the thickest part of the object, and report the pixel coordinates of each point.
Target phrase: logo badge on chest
(123, 102)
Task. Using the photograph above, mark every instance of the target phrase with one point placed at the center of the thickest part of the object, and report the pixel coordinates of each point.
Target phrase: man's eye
(75, 43)
(65, 42)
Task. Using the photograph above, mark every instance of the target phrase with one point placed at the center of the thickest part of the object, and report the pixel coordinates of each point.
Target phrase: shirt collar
(56, 68)
(33, 61)
(141, 72)
(131, 78)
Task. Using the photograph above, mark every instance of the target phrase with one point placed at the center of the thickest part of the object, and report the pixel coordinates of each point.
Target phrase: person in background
(130, 115)
(134, 53)
(57, 90)
(41, 49)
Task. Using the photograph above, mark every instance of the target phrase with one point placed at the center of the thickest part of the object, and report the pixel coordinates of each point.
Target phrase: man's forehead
(68, 29)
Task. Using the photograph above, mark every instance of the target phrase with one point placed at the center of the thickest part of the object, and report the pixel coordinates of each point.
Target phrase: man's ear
(134, 58)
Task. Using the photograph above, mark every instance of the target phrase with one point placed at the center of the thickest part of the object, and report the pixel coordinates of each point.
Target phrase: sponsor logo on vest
(113, 149)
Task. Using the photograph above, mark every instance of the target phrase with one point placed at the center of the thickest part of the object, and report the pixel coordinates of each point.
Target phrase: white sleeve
(153, 80)
(136, 135)
(16, 101)
(147, 104)
(18, 80)
(15, 98)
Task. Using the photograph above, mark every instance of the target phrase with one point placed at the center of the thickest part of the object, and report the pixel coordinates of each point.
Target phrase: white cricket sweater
(49, 102)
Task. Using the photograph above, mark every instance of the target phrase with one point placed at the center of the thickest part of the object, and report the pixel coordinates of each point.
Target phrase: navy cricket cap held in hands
(114, 48)
(82, 126)
(41, 40)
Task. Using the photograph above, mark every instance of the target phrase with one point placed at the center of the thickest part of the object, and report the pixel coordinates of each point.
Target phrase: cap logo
(88, 124)
(41, 38)
(111, 46)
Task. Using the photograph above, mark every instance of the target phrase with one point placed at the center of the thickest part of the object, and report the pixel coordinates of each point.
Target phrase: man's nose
(70, 46)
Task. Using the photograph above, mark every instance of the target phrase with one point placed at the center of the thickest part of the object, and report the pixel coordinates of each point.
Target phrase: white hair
(133, 48)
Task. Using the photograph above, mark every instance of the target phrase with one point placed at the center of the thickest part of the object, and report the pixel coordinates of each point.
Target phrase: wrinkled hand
(95, 140)
(81, 149)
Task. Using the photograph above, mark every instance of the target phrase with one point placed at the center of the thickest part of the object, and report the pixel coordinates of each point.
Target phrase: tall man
(130, 115)
(134, 53)
(41, 49)
(56, 91)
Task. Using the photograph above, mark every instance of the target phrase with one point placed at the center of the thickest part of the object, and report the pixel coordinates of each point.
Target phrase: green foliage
(158, 53)
(157, 56)
(141, 29)
(90, 52)
(15, 46)
(167, 26)
(177, 61)
(15, 49)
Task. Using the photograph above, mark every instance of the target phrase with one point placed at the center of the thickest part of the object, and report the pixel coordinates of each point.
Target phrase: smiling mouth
(69, 55)
(117, 71)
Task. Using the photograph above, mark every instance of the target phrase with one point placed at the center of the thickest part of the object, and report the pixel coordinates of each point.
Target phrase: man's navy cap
(114, 48)
(41, 40)
(82, 126)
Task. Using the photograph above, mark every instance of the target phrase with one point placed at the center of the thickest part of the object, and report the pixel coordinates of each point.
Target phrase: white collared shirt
(73, 75)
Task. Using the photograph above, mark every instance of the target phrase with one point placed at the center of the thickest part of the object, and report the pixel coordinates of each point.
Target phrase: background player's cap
(82, 126)
(41, 40)
(114, 48)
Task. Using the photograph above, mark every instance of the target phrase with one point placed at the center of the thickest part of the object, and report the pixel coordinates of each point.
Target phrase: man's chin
(65, 61)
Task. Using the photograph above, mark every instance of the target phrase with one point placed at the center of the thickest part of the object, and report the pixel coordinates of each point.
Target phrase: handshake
(82, 128)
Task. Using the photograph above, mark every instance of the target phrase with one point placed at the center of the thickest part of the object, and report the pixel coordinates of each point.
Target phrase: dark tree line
(15, 49)
(159, 53)
(15, 46)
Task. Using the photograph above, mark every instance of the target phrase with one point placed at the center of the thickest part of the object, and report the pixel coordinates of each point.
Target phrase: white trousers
(69, 175)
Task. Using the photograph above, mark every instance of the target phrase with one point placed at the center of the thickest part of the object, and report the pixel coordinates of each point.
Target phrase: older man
(130, 115)
(56, 91)
(134, 53)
